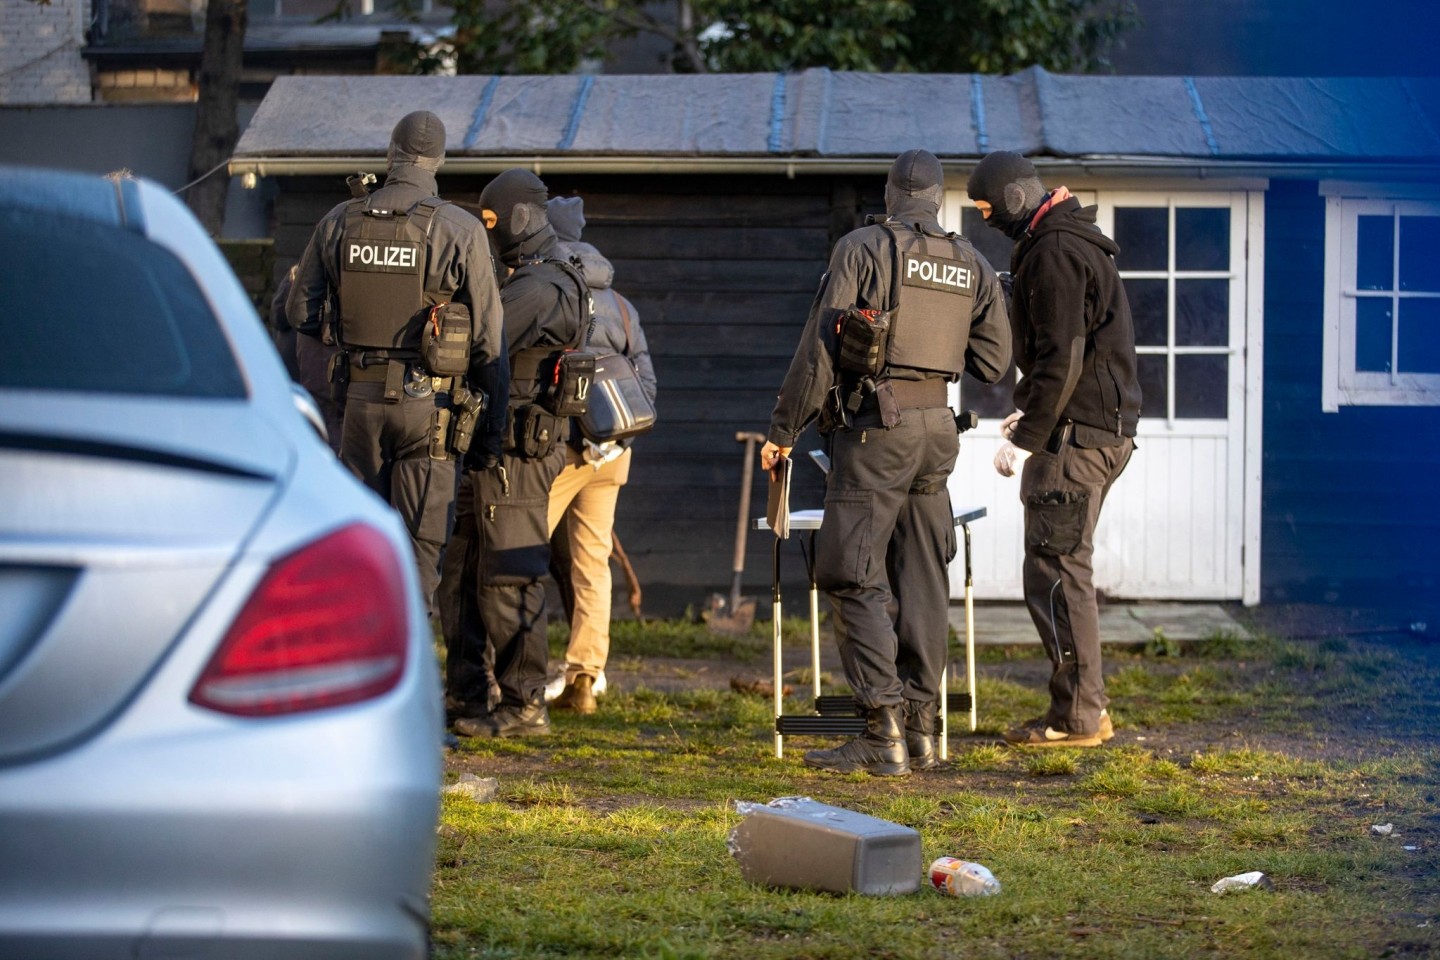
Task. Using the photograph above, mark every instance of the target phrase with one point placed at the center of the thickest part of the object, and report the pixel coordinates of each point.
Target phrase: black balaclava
(567, 216)
(1009, 183)
(916, 180)
(501, 196)
(419, 139)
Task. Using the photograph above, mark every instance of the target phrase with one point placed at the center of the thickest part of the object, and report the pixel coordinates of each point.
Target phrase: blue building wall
(1351, 500)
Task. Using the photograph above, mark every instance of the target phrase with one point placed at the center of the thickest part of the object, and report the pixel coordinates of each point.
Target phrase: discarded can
(960, 878)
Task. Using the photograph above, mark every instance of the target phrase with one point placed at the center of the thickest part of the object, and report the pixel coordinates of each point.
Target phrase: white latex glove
(1007, 426)
(1009, 459)
(599, 454)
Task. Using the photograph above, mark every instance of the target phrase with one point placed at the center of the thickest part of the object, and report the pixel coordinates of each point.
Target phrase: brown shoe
(1042, 735)
(1107, 729)
(577, 695)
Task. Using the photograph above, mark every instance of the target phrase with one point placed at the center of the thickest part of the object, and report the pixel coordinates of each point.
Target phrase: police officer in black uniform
(547, 312)
(904, 309)
(420, 336)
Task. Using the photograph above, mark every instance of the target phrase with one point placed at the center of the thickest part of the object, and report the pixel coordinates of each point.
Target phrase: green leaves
(932, 36)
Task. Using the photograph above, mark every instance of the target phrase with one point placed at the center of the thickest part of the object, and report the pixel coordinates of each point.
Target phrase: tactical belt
(919, 394)
(374, 373)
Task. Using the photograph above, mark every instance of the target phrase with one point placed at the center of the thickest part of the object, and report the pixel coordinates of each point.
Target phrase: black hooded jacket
(1073, 337)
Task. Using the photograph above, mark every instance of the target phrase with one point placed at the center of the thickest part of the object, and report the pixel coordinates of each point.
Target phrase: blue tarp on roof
(820, 113)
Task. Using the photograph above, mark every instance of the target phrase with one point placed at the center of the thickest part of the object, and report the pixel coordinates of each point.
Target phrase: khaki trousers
(585, 498)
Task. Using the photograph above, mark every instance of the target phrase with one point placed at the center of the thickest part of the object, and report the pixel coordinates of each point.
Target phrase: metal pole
(969, 630)
(779, 697)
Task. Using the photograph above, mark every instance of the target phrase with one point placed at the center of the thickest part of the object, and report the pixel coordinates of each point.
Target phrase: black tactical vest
(933, 299)
(382, 275)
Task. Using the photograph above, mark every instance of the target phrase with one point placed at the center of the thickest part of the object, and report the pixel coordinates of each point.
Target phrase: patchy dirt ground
(1343, 732)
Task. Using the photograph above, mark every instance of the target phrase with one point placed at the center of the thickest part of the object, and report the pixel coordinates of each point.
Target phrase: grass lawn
(608, 838)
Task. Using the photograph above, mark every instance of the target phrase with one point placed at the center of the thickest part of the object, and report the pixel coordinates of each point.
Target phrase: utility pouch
(395, 374)
(445, 340)
(565, 382)
(466, 407)
(440, 434)
(889, 408)
(1055, 521)
(536, 431)
(338, 375)
(862, 335)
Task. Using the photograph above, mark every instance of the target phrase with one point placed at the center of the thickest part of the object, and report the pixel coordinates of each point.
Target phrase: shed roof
(820, 119)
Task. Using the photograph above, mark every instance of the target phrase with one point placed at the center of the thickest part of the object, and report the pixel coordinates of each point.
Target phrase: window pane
(1375, 253)
(1419, 336)
(1372, 334)
(993, 245)
(1202, 238)
(1148, 309)
(131, 322)
(1153, 385)
(1202, 388)
(1420, 253)
(1143, 234)
(1202, 313)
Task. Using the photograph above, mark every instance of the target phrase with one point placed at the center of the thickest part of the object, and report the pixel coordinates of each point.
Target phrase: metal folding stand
(839, 716)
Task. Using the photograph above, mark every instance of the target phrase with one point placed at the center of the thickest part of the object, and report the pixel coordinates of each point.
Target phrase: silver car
(220, 711)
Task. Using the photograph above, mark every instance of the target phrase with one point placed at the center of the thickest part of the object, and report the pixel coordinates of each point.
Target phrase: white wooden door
(1183, 520)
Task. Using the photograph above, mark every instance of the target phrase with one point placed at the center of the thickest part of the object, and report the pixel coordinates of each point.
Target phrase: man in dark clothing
(1078, 403)
(888, 536)
(546, 309)
(387, 259)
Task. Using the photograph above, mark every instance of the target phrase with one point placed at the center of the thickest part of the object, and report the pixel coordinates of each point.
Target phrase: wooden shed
(1280, 243)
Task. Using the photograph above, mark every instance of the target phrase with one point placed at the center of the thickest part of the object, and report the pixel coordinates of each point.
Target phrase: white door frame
(1242, 428)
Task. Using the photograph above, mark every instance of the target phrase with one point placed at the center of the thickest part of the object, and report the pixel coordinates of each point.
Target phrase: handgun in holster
(467, 406)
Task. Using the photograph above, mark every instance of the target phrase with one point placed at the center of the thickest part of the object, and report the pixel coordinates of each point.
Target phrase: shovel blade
(723, 617)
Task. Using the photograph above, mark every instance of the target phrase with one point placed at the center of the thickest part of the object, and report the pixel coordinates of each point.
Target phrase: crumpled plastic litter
(1254, 880)
(1382, 829)
(479, 789)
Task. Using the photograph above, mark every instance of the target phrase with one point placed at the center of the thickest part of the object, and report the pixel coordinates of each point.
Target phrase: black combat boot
(921, 728)
(508, 720)
(879, 750)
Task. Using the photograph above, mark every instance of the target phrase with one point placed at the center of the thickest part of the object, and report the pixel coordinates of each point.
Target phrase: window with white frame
(1382, 297)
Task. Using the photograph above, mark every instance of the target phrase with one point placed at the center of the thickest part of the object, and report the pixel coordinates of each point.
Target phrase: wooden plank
(718, 275)
(706, 308)
(748, 340)
(657, 242)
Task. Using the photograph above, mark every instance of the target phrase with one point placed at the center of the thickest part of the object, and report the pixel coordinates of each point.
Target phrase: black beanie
(915, 173)
(418, 138)
(1009, 183)
(514, 186)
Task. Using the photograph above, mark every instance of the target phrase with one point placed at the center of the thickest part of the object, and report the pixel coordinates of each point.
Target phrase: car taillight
(325, 627)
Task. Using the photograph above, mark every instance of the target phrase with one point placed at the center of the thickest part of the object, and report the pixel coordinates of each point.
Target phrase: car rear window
(94, 308)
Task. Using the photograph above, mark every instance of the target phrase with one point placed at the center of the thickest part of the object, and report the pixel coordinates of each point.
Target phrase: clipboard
(777, 504)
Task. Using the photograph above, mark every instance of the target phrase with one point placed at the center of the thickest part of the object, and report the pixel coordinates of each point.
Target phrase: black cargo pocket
(516, 542)
(1055, 521)
(843, 545)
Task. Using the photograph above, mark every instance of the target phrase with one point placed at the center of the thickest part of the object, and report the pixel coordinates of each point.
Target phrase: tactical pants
(469, 659)
(387, 445)
(584, 498)
(513, 536)
(1062, 494)
(883, 552)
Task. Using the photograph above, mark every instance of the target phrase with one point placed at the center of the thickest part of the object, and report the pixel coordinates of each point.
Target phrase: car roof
(113, 200)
